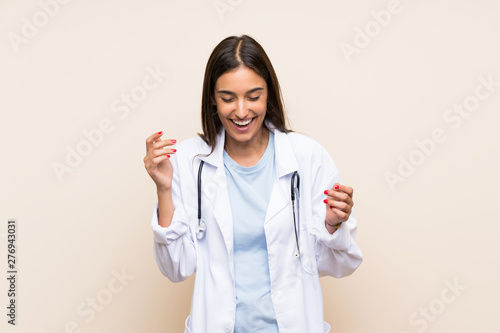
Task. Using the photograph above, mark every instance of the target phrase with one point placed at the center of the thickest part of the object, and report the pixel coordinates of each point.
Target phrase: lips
(242, 125)
(242, 122)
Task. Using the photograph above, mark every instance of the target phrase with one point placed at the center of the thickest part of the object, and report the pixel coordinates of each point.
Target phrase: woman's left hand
(338, 204)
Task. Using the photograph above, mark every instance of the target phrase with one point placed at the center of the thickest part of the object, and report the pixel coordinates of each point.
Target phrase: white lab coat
(295, 287)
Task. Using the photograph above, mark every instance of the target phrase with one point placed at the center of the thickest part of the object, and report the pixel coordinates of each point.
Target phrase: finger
(153, 163)
(339, 205)
(339, 196)
(162, 151)
(157, 160)
(163, 144)
(342, 216)
(152, 139)
(157, 149)
(343, 188)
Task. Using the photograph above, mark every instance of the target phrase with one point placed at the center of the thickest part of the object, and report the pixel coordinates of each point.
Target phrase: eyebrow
(232, 93)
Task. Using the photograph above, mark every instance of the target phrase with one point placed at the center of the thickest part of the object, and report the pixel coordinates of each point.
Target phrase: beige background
(436, 227)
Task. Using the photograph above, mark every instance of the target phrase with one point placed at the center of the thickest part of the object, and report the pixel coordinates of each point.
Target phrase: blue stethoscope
(295, 184)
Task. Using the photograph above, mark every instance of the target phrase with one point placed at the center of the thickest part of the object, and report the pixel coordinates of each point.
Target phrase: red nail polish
(325, 201)
(173, 141)
(160, 132)
(337, 186)
(331, 207)
(174, 150)
(326, 192)
(168, 156)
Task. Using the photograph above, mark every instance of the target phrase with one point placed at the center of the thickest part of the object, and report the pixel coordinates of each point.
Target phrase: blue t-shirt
(249, 192)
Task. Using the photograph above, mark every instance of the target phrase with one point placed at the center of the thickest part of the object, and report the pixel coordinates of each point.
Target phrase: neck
(247, 153)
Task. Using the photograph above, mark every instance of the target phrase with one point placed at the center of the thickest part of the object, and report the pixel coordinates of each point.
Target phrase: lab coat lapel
(222, 210)
(216, 187)
(215, 190)
(286, 164)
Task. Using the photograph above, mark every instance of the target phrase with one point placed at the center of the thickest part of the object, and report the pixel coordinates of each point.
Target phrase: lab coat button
(228, 327)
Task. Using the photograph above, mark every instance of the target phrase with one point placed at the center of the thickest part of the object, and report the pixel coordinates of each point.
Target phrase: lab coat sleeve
(337, 254)
(174, 247)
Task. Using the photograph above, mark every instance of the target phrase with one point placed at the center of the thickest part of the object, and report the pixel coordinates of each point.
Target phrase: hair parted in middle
(229, 54)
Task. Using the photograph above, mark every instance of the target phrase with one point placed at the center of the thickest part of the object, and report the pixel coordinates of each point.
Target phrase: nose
(241, 110)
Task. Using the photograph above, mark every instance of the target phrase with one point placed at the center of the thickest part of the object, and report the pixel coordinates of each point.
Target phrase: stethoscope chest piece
(201, 230)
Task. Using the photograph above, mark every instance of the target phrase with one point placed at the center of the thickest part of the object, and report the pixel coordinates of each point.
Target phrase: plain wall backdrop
(405, 96)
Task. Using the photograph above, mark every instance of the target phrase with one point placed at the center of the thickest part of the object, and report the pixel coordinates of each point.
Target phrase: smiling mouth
(242, 123)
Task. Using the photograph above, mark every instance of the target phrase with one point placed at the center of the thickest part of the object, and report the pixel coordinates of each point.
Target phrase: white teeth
(242, 123)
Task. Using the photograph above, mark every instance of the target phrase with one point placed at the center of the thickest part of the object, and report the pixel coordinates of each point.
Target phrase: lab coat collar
(285, 160)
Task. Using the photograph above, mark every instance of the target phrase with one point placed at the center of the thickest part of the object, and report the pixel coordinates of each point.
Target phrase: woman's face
(241, 100)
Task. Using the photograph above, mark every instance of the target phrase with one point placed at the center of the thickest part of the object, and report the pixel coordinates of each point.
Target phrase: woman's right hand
(157, 161)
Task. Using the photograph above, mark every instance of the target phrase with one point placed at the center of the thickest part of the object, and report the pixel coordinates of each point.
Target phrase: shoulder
(192, 145)
(303, 144)
(189, 148)
(299, 138)
(310, 152)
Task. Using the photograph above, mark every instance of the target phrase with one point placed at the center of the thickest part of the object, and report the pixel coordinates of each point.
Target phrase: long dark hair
(232, 53)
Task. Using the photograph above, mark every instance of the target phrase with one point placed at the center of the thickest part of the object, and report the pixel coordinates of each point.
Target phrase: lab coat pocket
(307, 255)
(307, 265)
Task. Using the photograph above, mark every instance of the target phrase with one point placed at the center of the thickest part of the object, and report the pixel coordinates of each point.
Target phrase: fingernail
(173, 141)
(326, 192)
(337, 186)
(331, 207)
(325, 201)
(168, 156)
(160, 132)
(174, 150)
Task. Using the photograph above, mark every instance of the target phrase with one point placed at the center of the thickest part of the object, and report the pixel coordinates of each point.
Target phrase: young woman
(257, 253)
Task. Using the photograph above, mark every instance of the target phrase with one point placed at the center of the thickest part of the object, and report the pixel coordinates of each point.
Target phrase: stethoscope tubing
(295, 193)
(202, 227)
